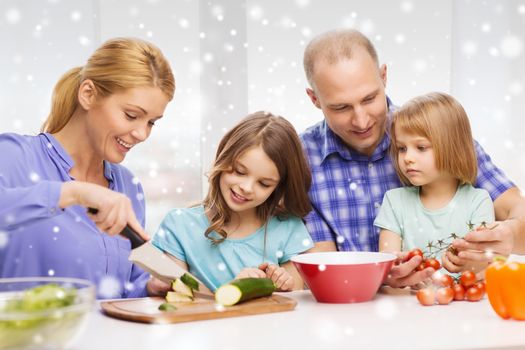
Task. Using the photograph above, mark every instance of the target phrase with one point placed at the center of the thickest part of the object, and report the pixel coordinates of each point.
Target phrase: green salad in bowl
(43, 312)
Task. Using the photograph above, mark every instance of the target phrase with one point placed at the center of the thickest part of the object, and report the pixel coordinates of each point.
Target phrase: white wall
(233, 57)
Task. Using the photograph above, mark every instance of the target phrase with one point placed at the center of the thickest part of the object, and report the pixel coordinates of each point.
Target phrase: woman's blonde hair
(442, 120)
(119, 64)
(280, 142)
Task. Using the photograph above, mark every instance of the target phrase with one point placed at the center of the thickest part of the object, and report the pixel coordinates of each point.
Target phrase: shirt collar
(334, 144)
(55, 148)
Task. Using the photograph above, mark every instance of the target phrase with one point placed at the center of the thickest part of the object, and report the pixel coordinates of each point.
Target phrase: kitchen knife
(162, 265)
(154, 261)
(128, 232)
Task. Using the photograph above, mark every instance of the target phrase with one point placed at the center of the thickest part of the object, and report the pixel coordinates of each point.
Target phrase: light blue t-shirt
(403, 213)
(181, 234)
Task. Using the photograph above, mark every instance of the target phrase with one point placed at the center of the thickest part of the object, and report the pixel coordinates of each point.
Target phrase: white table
(392, 320)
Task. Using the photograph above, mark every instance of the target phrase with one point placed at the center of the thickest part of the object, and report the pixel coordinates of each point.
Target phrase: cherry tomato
(474, 294)
(426, 296)
(442, 280)
(412, 253)
(481, 286)
(444, 295)
(433, 263)
(467, 279)
(421, 266)
(459, 291)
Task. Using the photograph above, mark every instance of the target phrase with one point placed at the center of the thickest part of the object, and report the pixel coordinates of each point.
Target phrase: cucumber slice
(181, 287)
(176, 297)
(190, 281)
(167, 307)
(243, 289)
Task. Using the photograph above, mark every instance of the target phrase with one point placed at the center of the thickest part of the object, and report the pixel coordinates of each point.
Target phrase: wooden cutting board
(146, 310)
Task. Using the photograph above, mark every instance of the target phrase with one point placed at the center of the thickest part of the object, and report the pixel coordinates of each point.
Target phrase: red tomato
(481, 286)
(433, 263)
(444, 295)
(413, 253)
(467, 279)
(442, 280)
(421, 266)
(459, 291)
(474, 294)
(426, 296)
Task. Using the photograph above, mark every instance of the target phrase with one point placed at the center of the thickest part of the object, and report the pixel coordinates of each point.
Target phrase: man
(351, 168)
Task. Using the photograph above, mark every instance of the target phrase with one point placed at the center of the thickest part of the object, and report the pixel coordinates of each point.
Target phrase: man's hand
(483, 245)
(404, 274)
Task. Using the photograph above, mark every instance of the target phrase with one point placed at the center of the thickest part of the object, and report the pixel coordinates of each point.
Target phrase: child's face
(416, 158)
(252, 181)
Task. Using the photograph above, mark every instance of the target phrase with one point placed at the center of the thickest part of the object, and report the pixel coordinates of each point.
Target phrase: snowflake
(76, 16)
(511, 46)
(13, 16)
(109, 287)
(34, 177)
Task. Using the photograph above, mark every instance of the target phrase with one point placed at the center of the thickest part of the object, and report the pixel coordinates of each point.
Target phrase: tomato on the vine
(444, 295)
(459, 291)
(426, 296)
(467, 279)
(474, 294)
(433, 263)
(412, 253)
(442, 279)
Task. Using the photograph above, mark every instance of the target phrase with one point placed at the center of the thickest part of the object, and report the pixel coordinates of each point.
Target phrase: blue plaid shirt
(348, 187)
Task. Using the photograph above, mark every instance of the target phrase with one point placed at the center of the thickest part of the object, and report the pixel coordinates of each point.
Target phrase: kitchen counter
(392, 320)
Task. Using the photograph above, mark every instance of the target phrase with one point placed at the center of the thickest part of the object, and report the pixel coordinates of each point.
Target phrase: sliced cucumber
(243, 289)
(167, 307)
(190, 281)
(181, 287)
(176, 297)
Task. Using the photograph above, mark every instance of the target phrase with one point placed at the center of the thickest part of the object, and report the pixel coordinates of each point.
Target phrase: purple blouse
(38, 238)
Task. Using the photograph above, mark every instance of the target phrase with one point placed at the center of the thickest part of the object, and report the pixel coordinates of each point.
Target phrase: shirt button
(52, 210)
(377, 204)
(370, 165)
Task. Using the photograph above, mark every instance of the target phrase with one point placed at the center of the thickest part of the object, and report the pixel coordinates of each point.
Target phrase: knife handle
(128, 232)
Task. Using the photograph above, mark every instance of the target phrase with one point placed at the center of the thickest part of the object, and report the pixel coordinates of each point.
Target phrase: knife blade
(128, 232)
(162, 265)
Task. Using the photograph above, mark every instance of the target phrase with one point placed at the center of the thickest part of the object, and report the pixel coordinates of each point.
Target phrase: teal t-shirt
(181, 234)
(403, 213)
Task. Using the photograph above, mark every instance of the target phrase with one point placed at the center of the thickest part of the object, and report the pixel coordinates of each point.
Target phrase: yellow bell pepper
(505, 285)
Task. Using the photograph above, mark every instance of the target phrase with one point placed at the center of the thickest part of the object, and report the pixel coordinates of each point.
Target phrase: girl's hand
(280, 277)
(114, 209)
(156, 287)
(250, 272)
(452, 263)
(404, 273)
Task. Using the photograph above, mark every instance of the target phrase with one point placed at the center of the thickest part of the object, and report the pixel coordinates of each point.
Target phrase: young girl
(249, 224)
(433, 150)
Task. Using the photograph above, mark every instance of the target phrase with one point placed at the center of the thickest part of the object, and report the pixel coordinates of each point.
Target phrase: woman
(99, 112)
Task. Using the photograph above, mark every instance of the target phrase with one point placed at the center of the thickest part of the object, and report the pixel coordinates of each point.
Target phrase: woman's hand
(280, 277)
(156, 287)
(114, 209)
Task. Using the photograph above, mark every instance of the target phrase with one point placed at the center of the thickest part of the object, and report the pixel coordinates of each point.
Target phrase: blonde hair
(333, 46)
(119, 64)
(280, 142)
(443, 121)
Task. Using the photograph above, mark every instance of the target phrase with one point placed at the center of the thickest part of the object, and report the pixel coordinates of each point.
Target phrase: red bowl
(344, 277)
